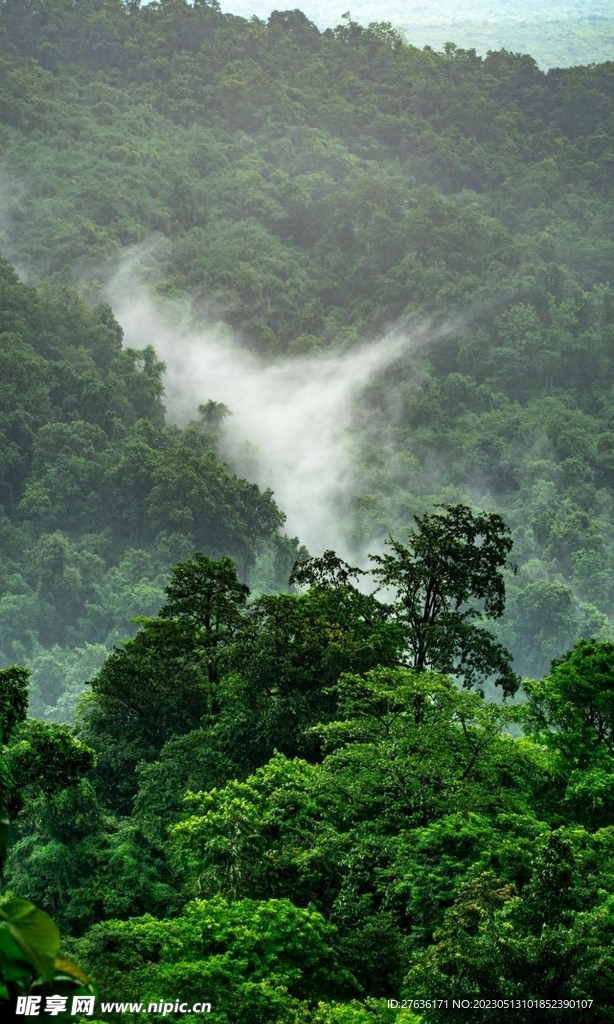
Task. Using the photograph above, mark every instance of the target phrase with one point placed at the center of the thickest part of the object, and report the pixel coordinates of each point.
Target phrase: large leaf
(64, 966)
(14, 966)
(35, 934)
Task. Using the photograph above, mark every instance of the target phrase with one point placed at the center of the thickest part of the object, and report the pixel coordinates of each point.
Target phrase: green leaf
(35, 934)
(13, 965)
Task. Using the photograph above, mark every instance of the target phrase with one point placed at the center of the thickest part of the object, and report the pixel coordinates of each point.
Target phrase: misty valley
(306, 518)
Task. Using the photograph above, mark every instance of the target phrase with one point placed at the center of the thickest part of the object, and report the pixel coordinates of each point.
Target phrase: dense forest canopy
(309, 188)
(280, 809)
(283, 790)
(98, 495)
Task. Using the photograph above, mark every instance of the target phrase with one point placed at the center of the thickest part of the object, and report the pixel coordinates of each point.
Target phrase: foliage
(309, 187)
(251, 958)
(536, 945)
(30, 963)
(570, 710)
(452, 558)
(356, 825)
(407, 751)
(449, 574)
(404, 848)
(99, 498)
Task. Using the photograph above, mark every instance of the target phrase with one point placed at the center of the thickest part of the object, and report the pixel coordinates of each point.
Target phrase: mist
(291, 423)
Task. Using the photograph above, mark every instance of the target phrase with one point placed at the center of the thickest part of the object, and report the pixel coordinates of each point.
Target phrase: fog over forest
(290, 423)
(306, 512)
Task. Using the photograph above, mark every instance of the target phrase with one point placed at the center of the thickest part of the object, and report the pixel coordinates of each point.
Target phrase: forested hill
(557, 34)
(312, 188)
(99, 497)
(283, 800)
(284, 163)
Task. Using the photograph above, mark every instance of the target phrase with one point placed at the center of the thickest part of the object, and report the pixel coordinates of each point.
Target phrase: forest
(557, 34)
(304, 786)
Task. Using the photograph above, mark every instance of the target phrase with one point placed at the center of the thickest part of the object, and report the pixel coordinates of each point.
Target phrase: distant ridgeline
(312, 188)
(557, 34)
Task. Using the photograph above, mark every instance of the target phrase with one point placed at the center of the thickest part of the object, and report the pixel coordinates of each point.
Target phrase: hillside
(380, 278)
(558, 34)
(316, 189)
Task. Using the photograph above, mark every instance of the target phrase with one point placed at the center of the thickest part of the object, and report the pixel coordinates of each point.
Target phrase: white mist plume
(296, 412)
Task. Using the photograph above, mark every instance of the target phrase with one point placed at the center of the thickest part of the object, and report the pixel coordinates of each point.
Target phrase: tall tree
(449, 575)
(447, 578)
(208, 596)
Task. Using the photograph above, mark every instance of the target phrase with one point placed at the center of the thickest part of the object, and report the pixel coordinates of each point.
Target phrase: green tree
(572, 708)
(339, 834)
(30, 963)
(44, 758)
(164, 681)
(293, 649)
(550, 940)
(253, 960)
(571, 711)
(207, 596)
(449, 574)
